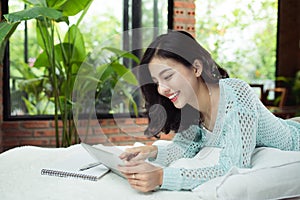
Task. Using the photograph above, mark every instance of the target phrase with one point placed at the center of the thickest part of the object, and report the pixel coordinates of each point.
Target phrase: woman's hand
(142, 175)
(139, 153)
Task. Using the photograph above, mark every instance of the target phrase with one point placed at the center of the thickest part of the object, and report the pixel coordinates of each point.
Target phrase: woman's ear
(197, 65)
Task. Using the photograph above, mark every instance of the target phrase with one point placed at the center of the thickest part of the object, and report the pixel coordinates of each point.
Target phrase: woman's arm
(185, 144)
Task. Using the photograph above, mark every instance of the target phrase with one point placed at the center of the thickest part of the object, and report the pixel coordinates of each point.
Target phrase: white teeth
(173, 95)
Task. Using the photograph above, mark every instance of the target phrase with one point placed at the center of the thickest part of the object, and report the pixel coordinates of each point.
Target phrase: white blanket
(20, 179)
(275, 175)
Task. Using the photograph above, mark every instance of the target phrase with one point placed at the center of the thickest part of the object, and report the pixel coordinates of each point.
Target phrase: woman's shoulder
(236, 86)
(237, 89)
(234, 82)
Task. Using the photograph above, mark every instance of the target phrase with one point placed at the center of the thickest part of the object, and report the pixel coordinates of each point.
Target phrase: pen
(91, 165)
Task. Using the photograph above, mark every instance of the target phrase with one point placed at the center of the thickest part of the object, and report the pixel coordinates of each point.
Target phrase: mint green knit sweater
(242, 124)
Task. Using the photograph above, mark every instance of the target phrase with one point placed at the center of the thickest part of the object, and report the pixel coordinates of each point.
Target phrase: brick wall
(184, 16)
(125, 131)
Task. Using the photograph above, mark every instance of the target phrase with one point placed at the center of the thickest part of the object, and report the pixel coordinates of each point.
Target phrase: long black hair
(182, 47)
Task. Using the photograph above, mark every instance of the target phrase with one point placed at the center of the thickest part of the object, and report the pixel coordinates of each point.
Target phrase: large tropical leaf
(61, 51)
(33, 13)
(56, 4)
(72, 7)
(74, 37)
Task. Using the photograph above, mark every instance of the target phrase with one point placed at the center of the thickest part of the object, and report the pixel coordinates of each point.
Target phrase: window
(105, 25)
(241, 36)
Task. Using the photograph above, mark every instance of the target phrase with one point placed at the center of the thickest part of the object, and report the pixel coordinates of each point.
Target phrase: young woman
(188, 93)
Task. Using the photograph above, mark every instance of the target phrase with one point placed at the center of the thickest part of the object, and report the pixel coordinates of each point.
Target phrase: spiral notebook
(70, 165)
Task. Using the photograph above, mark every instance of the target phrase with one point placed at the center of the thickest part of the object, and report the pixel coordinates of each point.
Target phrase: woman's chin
(178, 105)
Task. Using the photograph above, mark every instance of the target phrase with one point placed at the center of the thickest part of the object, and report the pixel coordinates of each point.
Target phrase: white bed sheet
(20, 179)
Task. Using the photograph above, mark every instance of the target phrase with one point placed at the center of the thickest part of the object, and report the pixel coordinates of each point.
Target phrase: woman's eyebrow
(163, 71)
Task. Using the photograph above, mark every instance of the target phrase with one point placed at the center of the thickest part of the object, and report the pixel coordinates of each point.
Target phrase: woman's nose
(163, 89)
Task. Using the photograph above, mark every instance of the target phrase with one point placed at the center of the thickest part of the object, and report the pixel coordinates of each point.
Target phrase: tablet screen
(108, 156)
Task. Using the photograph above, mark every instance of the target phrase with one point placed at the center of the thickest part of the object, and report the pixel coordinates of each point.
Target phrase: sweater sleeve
(185, 144)
(276, 132)
(234, 133)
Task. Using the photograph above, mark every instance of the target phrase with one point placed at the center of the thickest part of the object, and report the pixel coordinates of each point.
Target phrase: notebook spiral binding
(63, 174)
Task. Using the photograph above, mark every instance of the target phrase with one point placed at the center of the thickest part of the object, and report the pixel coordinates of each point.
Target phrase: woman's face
(175, 81)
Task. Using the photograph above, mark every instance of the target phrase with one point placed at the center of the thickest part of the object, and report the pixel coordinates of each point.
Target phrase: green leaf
(124, 73)
(30, 107)
(36, 2)
(6, 30)
(104, 72)
(33, 13)
(42, 35)
(59, 51)
(131, 101)
(33, 85)
(2, 51)
(72, 7)
(122, 54)
(56, 4)
(74, 36)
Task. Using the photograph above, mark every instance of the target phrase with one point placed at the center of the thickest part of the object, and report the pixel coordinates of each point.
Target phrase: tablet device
(107, 155)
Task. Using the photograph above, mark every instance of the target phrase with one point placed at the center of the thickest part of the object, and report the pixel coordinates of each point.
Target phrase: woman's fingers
(139, 153)
(143, 180)
(128, 156)
(130, 167)
(130, 153)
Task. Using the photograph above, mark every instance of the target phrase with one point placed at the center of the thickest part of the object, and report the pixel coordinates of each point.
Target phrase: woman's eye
(168, 76)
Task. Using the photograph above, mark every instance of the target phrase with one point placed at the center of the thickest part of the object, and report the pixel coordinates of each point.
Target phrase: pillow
(275, 175)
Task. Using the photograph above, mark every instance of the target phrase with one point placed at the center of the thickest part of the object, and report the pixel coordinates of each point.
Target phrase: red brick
(52, 124)
(97, 131)
(91, 140)
(121, 138)
(11, 142)
(135, 129)
(85, 131)
(52, 142)
(103, 122)
(107, 122)
(185, 21)
(124, 121)
(110, 130)
(39, 133)
(183, 4)
(17, 133)
(141, 121)
(84, 123)
(35, 124)
(34, 142)
(9, 125)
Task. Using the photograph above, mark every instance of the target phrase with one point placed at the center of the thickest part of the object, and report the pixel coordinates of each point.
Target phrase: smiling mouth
(174, 96)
